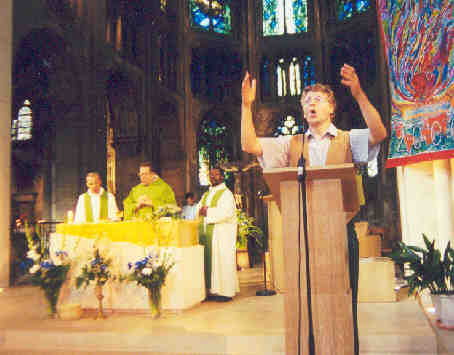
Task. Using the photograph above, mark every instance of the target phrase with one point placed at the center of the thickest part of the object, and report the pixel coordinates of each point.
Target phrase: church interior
(104, 85)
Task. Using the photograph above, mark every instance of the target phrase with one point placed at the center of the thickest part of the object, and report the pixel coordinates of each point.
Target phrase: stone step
(247, 325)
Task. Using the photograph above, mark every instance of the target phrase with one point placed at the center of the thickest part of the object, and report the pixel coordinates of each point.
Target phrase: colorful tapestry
(418, 37)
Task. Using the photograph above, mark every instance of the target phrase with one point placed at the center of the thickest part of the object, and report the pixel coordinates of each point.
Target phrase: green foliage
(247, 229)
(428, 269)
(97, 270)
(172, 211)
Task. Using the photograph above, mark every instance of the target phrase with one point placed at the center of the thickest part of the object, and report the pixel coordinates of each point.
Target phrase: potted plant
(429, 270)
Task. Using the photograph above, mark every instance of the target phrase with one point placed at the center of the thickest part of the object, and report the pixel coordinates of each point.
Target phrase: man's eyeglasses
(316, 99)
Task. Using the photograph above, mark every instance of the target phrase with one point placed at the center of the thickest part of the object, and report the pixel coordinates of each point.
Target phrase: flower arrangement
(96, 270)
(47, 273)
(151, 272)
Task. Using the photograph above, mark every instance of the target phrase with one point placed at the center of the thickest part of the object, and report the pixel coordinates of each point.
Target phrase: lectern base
(265, 293)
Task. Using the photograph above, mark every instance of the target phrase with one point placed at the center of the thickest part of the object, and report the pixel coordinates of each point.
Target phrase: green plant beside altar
(428, 268)
(48, 273)
(151, 272)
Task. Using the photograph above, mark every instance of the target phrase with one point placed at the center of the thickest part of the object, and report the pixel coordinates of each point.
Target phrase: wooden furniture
(331, 202)
(377, 281)
(275, 245)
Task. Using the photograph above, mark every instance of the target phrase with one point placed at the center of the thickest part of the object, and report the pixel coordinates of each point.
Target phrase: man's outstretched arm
(249, 141)
(371, 116)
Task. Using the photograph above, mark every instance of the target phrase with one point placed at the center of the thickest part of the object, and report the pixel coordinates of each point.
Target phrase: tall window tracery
(211, 15)
(284, 17)
(22, 126)
(289, 75)
(214, 143)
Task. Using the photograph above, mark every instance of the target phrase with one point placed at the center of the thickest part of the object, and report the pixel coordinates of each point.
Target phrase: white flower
(157, 262)
(32, 254)
(147, 270)
(34, 268)
(57, 261)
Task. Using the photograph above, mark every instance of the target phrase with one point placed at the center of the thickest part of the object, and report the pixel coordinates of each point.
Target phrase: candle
(70, 217)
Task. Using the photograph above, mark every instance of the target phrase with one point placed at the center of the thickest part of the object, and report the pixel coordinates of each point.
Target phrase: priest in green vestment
(150, 194)
(96, 204)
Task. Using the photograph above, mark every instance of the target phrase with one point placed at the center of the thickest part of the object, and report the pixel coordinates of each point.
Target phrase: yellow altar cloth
(126, 242)
(164, 232)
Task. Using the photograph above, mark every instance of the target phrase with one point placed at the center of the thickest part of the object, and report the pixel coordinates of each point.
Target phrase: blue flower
(47, 265)
(129, 266)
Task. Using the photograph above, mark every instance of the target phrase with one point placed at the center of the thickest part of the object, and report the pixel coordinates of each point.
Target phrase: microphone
(302, 163)
(301, 168)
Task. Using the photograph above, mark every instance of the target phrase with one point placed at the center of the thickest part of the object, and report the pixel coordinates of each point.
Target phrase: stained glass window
(281, 78)
(214, 141)
(164, 5)
(346, 9)
(289, 126)
(21, 128)
(294, 74)
(284, 17)
(211, 15)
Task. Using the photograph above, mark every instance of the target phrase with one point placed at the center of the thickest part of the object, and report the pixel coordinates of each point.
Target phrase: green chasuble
(158, 191)
(206, 235)
(103, 214)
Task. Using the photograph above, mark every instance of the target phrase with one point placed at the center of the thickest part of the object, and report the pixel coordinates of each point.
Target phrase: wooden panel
(295, 295)
(369, 246)
(376, 280)
(276, 247)
(344, 172)
(328, 257)
(331, 293)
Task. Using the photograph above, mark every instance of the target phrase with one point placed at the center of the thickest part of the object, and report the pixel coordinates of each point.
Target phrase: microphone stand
(302, 181)
(265, 291)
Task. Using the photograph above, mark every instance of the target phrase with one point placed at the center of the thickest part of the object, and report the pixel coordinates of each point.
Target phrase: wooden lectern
(332, 201)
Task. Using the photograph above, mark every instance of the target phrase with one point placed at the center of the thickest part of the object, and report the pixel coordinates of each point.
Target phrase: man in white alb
(96, 204)
(217, 233)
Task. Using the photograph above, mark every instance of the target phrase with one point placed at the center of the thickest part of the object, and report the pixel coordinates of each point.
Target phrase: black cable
(302, 197)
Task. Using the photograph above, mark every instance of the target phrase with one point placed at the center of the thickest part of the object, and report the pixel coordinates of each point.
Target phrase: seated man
(189, 210)
(151, 193)
(96, 204)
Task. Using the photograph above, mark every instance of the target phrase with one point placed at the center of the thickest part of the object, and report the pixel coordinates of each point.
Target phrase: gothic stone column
(6, 8)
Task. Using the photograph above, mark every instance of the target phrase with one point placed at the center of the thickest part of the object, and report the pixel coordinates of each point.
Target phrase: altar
(127, 242)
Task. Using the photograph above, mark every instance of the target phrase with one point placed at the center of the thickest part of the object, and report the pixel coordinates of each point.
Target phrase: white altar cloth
(184, 286)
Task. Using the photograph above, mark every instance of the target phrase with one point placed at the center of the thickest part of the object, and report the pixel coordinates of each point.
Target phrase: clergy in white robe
(218, 230)
(96, 204)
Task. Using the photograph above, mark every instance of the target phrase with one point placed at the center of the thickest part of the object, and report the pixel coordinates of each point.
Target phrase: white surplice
(95, 198)
(224, 278)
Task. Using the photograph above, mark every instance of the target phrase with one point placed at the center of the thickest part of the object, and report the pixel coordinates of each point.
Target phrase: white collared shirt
(276, 149)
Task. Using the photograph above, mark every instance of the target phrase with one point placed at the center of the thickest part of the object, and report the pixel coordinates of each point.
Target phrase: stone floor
(249, 324)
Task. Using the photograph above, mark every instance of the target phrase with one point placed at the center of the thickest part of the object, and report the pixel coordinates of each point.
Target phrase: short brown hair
(324, 89)
(94, 174)
(146, 164)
